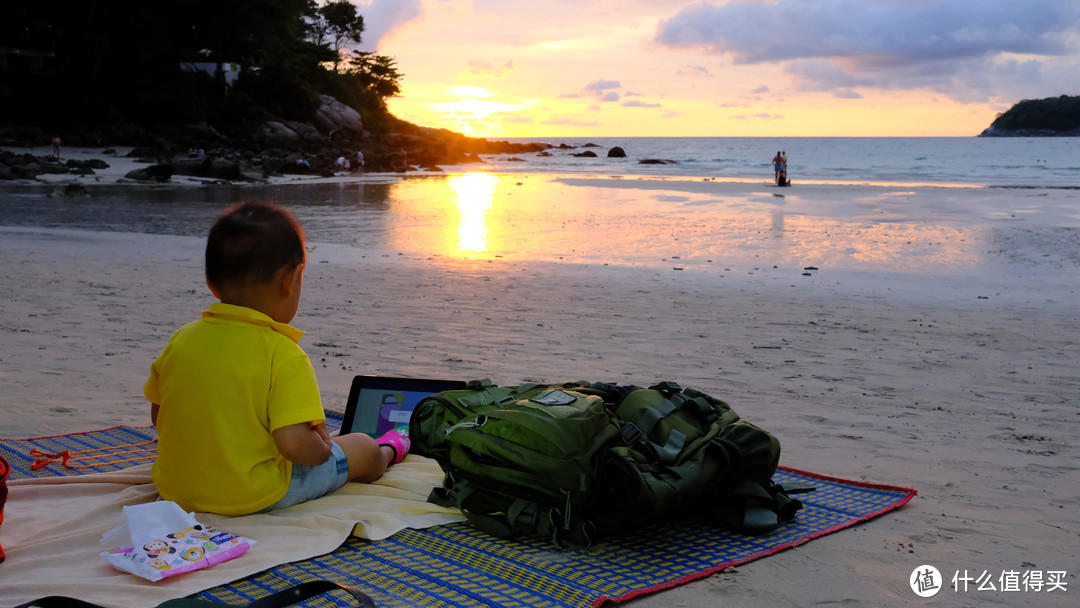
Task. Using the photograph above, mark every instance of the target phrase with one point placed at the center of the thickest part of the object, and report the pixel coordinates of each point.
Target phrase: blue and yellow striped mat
(456, 565)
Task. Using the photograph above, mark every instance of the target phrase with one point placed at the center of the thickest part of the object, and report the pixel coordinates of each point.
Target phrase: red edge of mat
(908, 495)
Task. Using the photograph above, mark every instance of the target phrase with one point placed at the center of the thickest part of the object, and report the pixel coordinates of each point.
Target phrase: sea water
(985, 161)
(991, 204)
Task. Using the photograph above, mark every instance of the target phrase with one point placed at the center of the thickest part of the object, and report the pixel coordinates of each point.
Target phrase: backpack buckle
(667, 387)
(631, 434)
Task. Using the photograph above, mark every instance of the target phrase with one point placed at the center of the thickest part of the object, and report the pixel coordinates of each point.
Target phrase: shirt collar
(243, 314)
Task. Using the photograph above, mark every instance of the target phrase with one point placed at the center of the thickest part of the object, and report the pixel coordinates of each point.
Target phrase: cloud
(882, 33)
(841, 44)
(513, 118)
(599, 86)
(761, 90)
(758, 116)
(569, 122)
(609, 96)
(482, 67)
(640, 104)
(384, 16)
(693, 71)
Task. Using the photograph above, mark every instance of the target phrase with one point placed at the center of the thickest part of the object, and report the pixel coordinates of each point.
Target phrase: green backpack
(577, 460)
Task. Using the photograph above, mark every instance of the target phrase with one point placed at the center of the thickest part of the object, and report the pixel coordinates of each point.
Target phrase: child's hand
(303, 443)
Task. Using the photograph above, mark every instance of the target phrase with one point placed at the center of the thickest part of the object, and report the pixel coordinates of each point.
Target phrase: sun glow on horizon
(641, 69)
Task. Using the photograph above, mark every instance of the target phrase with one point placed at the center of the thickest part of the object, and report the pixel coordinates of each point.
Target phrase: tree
(375, 78)
(335, 24)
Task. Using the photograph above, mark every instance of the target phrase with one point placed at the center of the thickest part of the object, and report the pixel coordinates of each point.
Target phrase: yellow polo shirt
(224, 383)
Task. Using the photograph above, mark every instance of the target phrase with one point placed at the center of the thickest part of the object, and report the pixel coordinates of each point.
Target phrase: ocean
(981, 161)
(910, 205)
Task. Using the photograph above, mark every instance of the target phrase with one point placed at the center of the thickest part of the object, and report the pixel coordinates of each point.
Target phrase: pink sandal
(398, 440)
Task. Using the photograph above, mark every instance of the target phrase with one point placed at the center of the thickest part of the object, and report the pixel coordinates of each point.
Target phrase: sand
(962, 386)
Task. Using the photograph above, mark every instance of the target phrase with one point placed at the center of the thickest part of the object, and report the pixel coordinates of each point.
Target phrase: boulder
(285, 133)
(140, 174)
(223, 168)
(586, 154)
(616, 152)
(333, 116)
(161, 172)
(153, 173)
(656, 161)
(71, 190)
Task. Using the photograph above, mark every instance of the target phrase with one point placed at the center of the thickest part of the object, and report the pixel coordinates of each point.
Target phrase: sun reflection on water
(484, 216)
(474, 195)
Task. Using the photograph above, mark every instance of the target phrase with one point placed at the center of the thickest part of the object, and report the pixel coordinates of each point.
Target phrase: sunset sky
(528, 68)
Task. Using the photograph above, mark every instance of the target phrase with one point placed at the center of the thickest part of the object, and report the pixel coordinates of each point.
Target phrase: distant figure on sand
(56, 147)
(359, 161)
(778, 164)
(782, 179)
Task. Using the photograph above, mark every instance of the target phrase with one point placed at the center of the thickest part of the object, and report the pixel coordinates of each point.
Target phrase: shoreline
(120, 164)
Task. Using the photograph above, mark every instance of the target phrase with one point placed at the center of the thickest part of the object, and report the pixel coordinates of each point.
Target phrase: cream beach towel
(52, 531)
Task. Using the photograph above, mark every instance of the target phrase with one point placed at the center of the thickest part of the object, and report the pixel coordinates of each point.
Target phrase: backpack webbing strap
(705, 408)
(671, 450)
(655, 414)
(676, 440)
(522, 517)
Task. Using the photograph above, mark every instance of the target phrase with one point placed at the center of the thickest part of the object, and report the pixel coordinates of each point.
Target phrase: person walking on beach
(359, 161)
(240, 422)
(56, 147)
(778, 164)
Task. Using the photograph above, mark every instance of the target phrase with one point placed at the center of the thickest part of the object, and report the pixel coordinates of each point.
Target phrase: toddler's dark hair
(252, 242)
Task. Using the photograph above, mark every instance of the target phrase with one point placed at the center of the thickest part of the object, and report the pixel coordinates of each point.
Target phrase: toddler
(234, 398)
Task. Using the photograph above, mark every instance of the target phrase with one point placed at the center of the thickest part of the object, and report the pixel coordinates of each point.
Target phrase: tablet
(378, 404)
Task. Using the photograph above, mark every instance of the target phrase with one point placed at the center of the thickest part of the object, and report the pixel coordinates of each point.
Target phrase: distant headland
(1050, 117)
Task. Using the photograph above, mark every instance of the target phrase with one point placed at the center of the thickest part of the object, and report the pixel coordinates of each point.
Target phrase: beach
(937, 354)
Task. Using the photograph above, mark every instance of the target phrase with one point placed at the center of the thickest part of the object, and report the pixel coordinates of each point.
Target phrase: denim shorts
(309, 482)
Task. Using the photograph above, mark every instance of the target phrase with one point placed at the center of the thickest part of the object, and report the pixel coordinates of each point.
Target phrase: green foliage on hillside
(133, 61)
(1052, 114)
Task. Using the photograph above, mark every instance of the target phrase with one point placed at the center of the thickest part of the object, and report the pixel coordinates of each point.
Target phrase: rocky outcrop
(993, 131)
(273, 147)
(1050, 117)
(28, 166)
(616, 152)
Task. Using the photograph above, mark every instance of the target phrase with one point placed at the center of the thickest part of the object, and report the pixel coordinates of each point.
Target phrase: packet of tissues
(159, 540)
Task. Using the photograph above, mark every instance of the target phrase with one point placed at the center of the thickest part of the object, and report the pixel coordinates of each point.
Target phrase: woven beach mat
(456, 565)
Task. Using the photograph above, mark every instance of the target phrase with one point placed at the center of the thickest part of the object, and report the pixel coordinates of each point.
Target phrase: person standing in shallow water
(777, 163)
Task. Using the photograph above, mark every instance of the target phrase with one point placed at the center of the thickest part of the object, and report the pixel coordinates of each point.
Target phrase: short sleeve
(294, 393)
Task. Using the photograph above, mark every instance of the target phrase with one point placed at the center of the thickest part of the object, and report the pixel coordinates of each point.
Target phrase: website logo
(925, 581)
